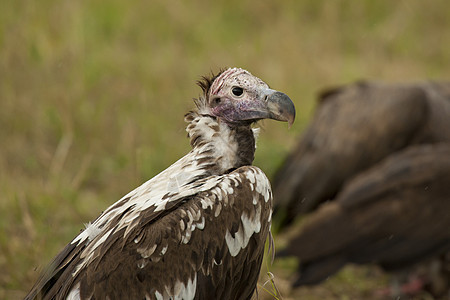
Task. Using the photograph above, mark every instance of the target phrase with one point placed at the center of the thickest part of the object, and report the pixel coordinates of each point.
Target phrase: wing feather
(187, 238)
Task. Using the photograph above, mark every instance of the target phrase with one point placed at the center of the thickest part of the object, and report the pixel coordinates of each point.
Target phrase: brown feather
(225, 281)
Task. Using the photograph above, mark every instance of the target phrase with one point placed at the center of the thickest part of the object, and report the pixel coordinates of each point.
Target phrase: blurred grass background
(93, 93)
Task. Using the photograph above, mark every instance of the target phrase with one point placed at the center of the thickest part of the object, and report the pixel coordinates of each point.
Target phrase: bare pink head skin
(237, 96)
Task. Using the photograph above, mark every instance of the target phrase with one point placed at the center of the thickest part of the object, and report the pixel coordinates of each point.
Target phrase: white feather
(243, 235)
(74, 293)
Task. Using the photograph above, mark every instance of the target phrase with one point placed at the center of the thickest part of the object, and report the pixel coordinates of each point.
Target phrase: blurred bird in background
(371, 177)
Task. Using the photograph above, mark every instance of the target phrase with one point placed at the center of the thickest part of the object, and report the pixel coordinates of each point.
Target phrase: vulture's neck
(229, 146)
(217, 149)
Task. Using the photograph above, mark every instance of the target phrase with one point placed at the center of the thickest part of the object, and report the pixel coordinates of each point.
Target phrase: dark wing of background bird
(395, 214)
(354, 127)
(194, 238)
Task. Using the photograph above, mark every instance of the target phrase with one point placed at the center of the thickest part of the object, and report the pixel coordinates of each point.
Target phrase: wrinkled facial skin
(236, 96)
(231, 106)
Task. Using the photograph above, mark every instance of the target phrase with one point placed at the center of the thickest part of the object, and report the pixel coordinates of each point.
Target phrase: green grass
(93, 93)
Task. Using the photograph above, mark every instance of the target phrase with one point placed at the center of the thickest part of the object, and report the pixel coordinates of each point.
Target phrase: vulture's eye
(237, 91)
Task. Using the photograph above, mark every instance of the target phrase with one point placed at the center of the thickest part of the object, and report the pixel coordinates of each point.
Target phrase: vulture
(395, 214)
(197, 230)
(355, 127)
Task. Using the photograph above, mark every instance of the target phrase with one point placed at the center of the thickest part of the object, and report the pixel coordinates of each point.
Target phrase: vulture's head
(236, 97)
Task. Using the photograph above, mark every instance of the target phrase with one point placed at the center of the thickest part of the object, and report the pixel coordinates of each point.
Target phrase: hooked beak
(280, 107)
(270, 105)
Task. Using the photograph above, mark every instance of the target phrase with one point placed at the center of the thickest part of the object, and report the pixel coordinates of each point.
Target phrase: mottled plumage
(197, 229)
